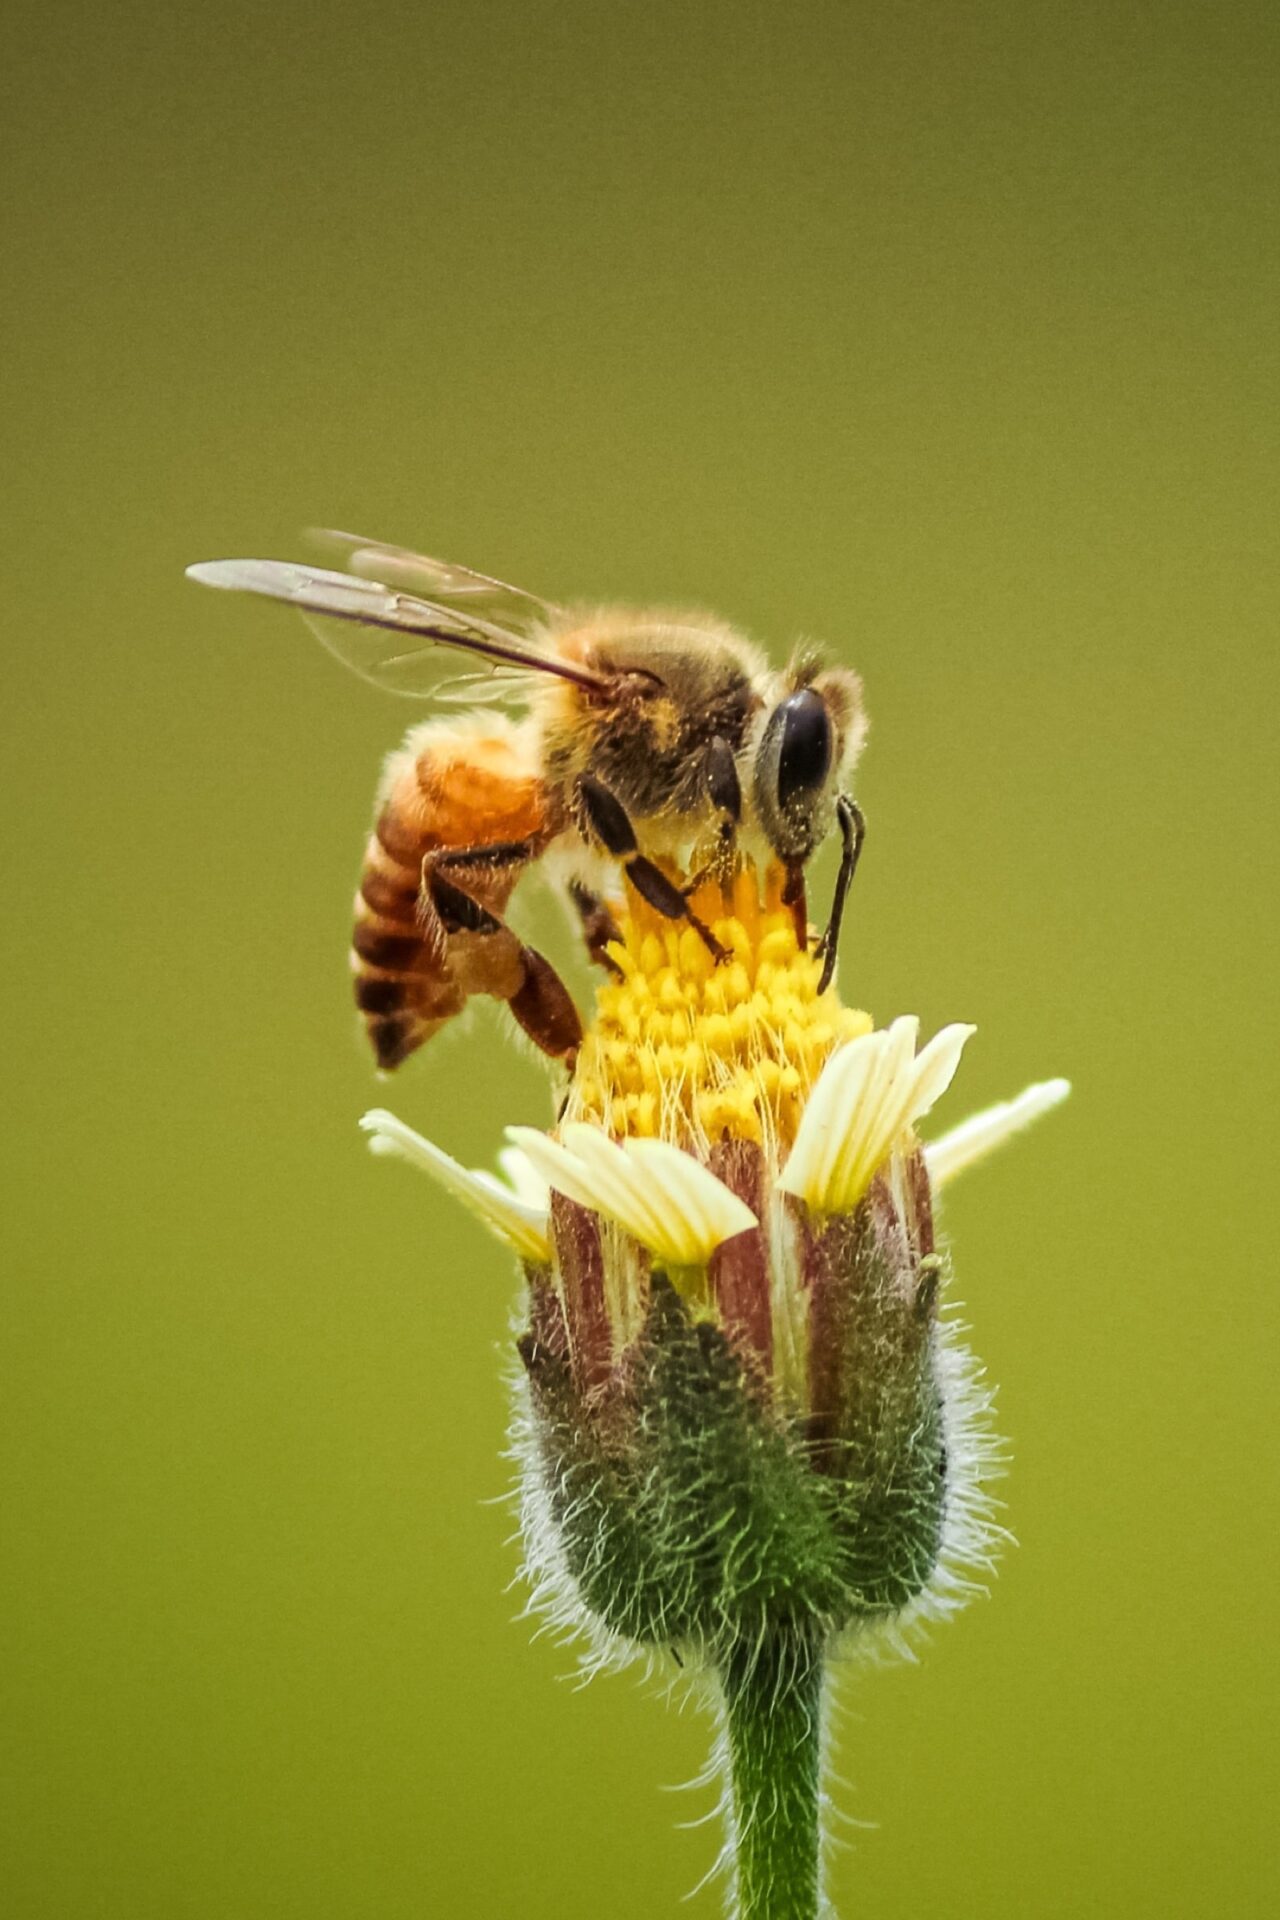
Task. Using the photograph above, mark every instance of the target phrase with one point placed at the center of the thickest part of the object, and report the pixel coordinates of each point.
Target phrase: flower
(734, 1330)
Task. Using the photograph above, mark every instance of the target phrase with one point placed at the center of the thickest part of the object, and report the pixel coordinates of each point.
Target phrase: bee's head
(806, 752)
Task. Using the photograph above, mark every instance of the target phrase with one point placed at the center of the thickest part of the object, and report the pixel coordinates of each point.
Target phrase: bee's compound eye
(805, 746)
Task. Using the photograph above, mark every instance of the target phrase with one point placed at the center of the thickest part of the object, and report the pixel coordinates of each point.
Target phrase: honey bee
(659, 743)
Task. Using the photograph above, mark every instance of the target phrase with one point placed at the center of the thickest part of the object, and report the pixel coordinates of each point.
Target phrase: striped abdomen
(453, 784)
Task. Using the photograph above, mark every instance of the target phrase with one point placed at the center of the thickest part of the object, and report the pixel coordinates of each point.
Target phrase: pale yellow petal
(657, 1193)
(636, 1203)
(559, 1168)
(527, 1183)
(521, 1225)
(874, 1126)
(918, 1084)
(983, 1132)
(708, 1211)
(829, 1113)
(869, 1094)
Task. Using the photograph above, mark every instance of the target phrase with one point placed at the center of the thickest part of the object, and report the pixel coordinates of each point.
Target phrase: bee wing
(393, 639)
(439, 581)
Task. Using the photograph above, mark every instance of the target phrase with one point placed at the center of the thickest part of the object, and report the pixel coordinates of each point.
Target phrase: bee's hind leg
(493, 853)
(513, 972)
(607, 819)
(853, 831)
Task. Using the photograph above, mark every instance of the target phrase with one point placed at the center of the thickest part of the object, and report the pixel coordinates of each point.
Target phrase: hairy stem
(773, 1711)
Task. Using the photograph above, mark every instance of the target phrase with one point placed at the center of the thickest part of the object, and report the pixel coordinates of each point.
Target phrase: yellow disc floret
(691, 1049)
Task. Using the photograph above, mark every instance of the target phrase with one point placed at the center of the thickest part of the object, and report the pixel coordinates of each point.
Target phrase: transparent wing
(438, 581)
(394, 639)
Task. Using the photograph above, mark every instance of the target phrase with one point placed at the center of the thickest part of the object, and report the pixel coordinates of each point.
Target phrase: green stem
(773, 1712)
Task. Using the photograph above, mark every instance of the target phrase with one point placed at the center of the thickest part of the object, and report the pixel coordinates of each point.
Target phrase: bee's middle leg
(534, 991)
(607, 819)
(853, 831)
(599, 928)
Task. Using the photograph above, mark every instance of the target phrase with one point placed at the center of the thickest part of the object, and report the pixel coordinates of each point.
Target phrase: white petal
(709, 1211)
(520, 1224)
(876, 1120)
(623, 1186)
(936, 1067)
(524, 1178)
(657, 1193)
(919, 1083)
(559, 1168)
(870, 1091)
(829, 1111)
(983, 1132)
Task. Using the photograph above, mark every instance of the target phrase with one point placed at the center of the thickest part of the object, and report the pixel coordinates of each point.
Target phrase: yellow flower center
(692, 1050)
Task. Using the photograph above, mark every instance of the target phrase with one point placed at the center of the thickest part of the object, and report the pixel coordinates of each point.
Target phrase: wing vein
(352, 599)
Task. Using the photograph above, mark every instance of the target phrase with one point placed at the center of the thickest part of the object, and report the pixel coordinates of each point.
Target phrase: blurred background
(944, 334)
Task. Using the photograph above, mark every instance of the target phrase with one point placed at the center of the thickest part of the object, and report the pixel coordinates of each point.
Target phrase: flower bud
(745, 1414)
(747, 1430)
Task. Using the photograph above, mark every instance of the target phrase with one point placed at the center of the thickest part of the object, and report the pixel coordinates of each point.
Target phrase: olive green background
(945, 333)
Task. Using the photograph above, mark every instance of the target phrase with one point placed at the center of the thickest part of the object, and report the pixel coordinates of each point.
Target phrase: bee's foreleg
(518, 974)
(607, 819)
(724, 791)
(796, 901)
(853, 831)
